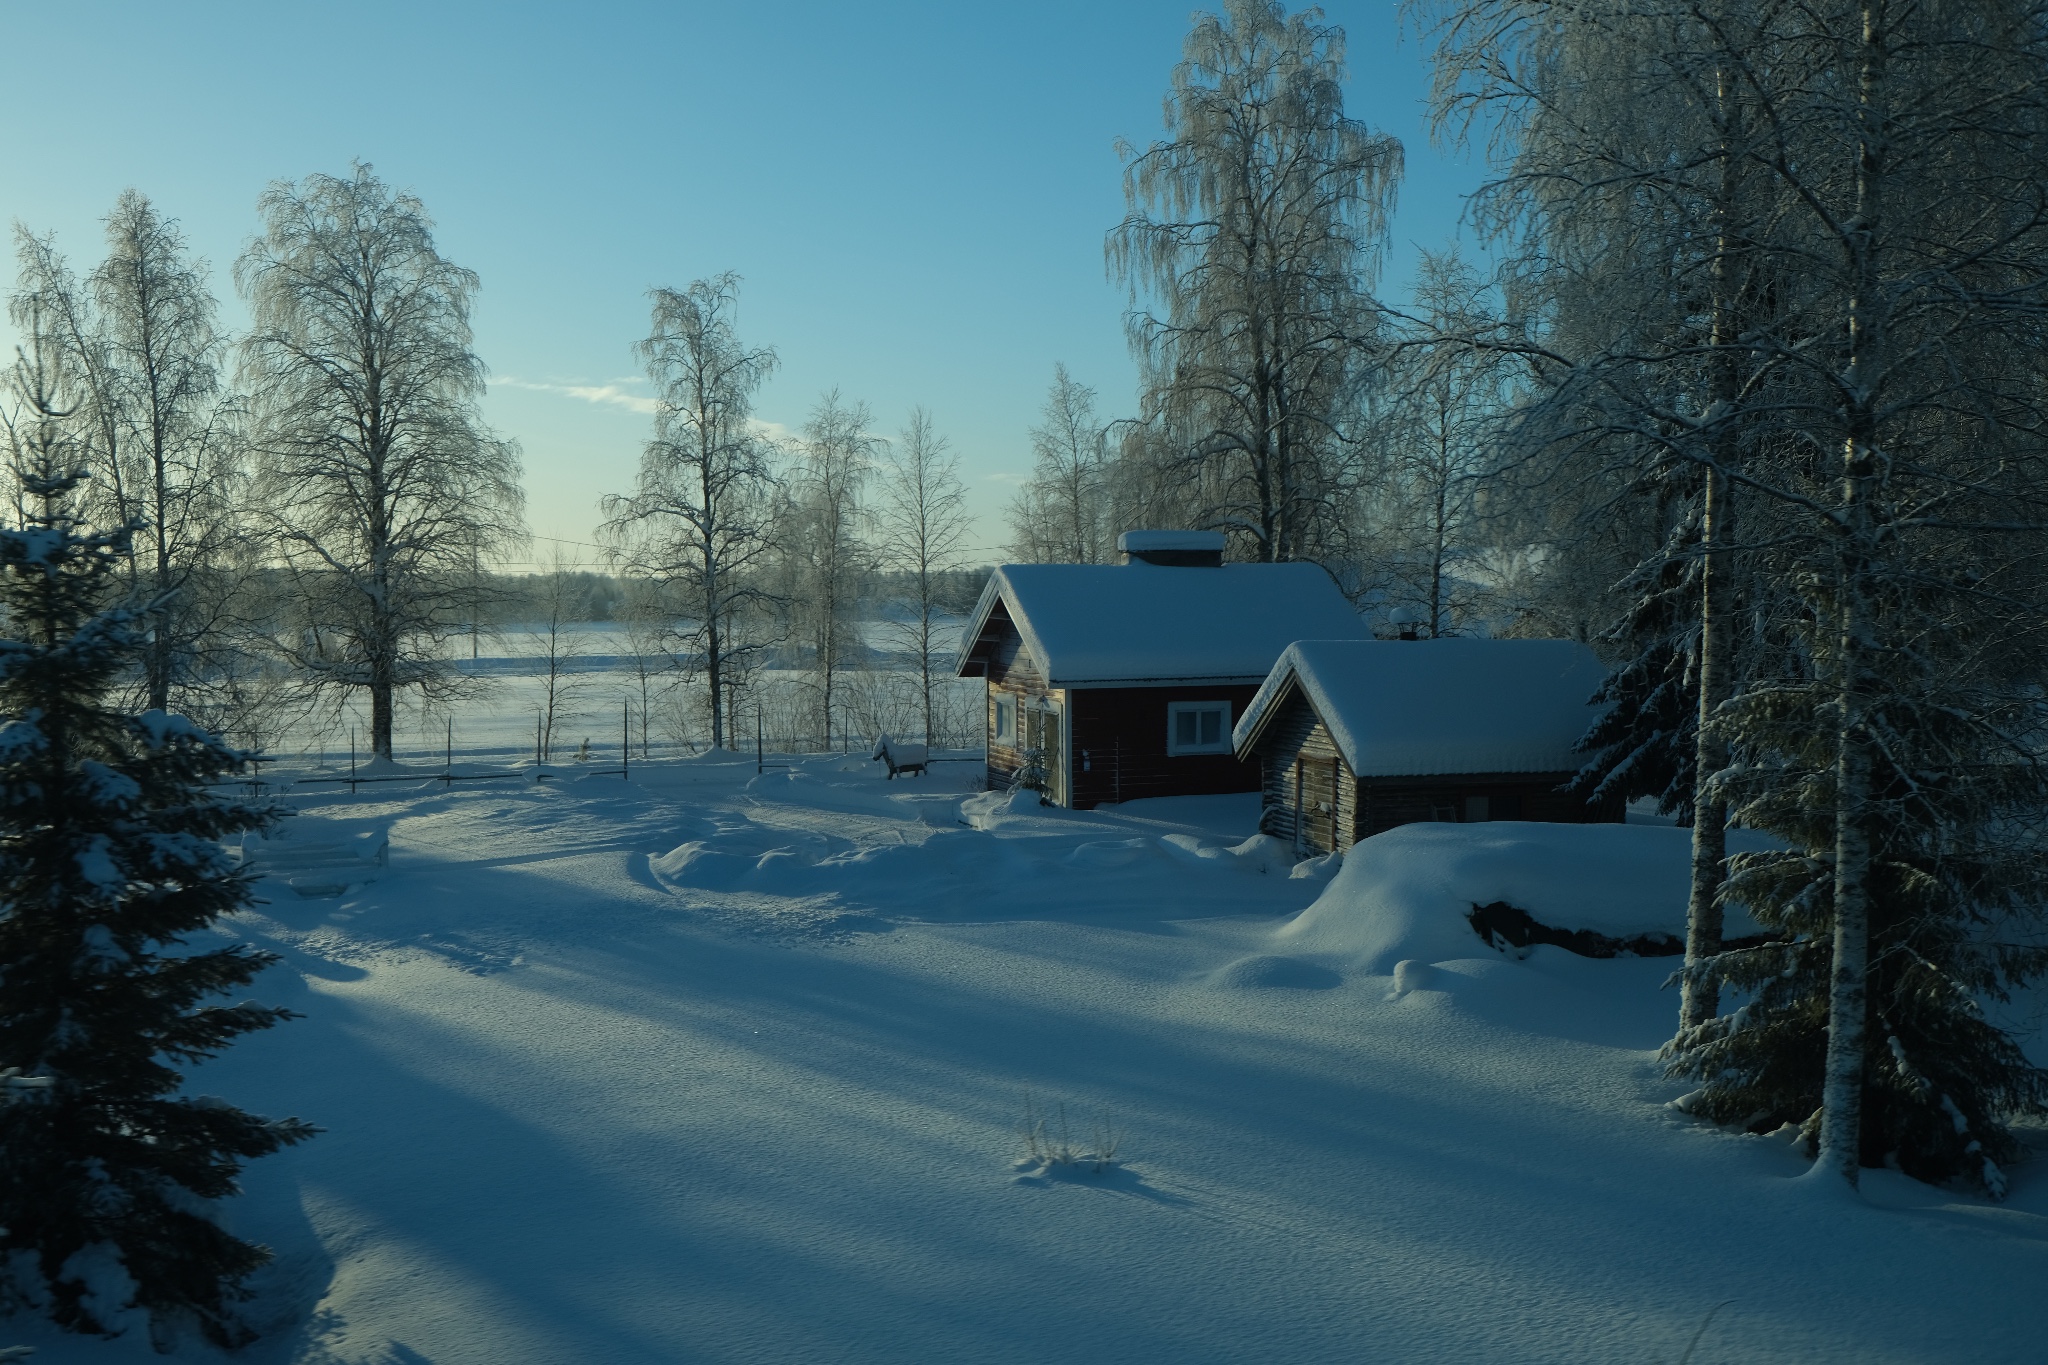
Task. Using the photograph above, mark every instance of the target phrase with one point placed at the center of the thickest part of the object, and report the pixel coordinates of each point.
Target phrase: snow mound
(1406, 893)
(1109, 853)
(1018, 805)
(1260, 853)
(1270, 970)
(1316, 869)
(1410, 975)
(698, 864)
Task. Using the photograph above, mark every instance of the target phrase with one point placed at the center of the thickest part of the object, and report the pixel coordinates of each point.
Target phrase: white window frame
(1004, 723)
(1176, 709)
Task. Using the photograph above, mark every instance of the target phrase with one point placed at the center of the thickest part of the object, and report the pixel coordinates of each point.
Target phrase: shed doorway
(1042, 732)
(1315, 804)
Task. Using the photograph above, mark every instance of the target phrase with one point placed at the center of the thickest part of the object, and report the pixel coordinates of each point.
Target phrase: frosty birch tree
(378, 482)
(823, 550)
(1909, 136)
(1062, 516)
(555, 647)
(922, 517)
(1643, 227)
(1856, 346)
(162, 357)
(54, 312)
(699, 519)
(648, 623)
(1255, 226)
(1442, 395)
(159, 435)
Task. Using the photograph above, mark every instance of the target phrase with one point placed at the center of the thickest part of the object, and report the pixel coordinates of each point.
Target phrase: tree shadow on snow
(1117, 1179)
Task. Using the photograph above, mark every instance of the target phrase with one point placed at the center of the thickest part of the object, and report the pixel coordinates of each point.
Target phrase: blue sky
(915, 194)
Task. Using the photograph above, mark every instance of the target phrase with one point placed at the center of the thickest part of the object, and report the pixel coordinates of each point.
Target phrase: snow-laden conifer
(1643, 744)
(1951, 816)
(110, 862)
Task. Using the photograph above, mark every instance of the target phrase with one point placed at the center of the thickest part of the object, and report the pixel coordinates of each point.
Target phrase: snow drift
(1405, 894)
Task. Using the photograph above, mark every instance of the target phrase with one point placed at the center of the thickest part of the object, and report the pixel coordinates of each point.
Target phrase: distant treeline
(518, 599)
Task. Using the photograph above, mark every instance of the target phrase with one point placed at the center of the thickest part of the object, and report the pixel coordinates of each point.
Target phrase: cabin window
(1198, 727)
(1006, 720)
(1477, 810)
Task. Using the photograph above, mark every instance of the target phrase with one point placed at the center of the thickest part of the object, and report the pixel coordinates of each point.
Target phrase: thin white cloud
(1000, 477)
(614, 393)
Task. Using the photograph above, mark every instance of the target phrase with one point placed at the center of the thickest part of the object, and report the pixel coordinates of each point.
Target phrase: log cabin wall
(1301, 764)
(1119, 745)
(1300, 769)
(1384, 802)
(1013, 675)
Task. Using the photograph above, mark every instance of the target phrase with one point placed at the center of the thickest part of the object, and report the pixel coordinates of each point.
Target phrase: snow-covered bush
(1031, 776)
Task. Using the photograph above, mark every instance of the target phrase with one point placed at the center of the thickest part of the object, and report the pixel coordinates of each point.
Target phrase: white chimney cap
(1143, 542)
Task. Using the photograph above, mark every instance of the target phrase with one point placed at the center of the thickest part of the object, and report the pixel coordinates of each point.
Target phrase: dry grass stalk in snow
(1049, 1143)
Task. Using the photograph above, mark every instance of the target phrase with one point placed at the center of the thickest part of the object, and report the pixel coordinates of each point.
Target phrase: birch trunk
(1862, 465)
(1701, 995)
(1700, 998)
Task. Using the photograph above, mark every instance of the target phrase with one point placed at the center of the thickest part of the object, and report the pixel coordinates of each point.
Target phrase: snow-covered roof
(1148, 623)
(1421, 708)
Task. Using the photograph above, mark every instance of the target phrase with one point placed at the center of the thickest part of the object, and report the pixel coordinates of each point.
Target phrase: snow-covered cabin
(1129, 677)
(1358, 736)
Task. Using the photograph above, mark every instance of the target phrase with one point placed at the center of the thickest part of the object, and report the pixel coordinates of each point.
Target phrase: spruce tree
(110, 862)
(1644, 743)
(1956, 870)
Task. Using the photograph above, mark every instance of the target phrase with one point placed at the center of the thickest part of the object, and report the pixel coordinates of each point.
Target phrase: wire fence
(613, 723)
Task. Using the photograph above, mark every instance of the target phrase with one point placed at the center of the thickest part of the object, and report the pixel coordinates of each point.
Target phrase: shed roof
(1425, 708)
(1141, 623)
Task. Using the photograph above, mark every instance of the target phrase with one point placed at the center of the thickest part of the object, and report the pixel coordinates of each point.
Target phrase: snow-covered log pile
(1411, 892)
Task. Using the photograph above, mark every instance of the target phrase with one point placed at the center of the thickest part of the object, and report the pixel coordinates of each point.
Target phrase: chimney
(1404, 623)
(1176, 549)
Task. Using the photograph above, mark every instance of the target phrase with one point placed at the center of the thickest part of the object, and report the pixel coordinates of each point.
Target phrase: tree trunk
(1700, 997)
(380, 708)
(924, 668)
(714, 674)
(1841, 1128)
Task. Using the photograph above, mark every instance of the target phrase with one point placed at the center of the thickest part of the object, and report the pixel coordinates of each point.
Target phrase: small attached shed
(1357, 736)
(1129, 677)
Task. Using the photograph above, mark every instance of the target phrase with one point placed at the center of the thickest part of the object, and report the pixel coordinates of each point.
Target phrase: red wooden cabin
(1128, 678)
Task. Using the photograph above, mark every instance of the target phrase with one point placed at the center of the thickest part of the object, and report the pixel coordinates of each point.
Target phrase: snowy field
(711, 1066)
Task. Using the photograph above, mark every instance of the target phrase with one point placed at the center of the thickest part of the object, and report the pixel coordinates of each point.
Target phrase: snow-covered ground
(711, 1066)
